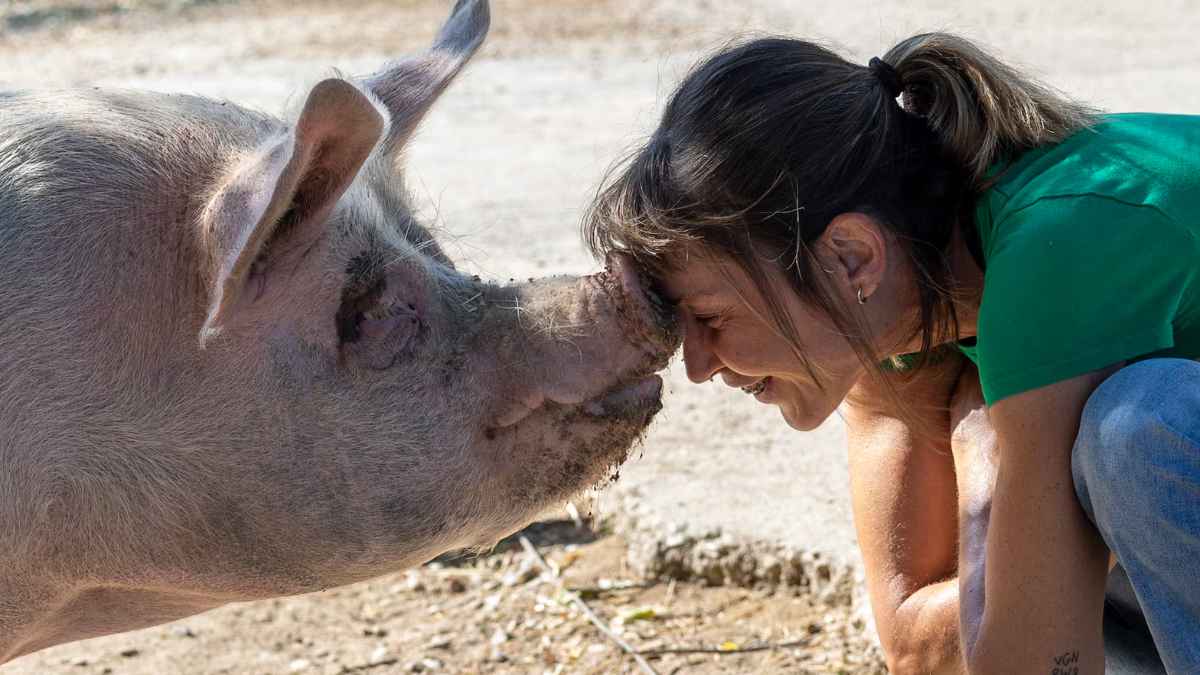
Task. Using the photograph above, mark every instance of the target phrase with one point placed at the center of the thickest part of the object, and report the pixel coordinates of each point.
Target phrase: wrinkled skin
(234, 366)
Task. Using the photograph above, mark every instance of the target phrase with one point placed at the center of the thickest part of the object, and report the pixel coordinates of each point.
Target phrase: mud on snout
(571, 448)
(575, 436)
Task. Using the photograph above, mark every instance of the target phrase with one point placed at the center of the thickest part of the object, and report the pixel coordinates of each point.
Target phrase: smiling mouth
(756, 388)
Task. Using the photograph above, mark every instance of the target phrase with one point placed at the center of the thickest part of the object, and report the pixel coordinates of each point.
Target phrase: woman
(903, 236)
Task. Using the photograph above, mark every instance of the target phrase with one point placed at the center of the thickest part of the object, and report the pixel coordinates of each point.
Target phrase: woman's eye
(710, 320)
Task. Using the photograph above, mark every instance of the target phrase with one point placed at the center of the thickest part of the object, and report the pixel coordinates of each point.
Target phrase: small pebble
(414, 583)
(379, 655)
(183, 631)
(298, 665)
(500, 637)
(130, 652)
(440, 642)
(525, 573)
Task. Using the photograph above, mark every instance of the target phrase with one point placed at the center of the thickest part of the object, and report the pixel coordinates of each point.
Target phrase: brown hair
(764, 143)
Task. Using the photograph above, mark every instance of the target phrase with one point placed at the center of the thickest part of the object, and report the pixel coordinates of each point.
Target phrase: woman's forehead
(701, 278)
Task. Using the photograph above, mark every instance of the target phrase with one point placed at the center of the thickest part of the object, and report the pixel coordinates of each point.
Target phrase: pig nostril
(660, 305)
(664, 311)
(654, 293)
(654, 317)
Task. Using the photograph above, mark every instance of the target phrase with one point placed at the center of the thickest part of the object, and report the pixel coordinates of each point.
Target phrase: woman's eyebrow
(699, 297)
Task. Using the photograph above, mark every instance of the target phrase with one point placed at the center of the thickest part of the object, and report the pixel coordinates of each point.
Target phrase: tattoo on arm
(1066, 663)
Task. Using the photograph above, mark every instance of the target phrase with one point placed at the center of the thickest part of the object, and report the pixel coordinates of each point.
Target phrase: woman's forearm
(925, 632)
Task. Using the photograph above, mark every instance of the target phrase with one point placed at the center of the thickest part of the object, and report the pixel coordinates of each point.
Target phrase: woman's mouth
(756, 388)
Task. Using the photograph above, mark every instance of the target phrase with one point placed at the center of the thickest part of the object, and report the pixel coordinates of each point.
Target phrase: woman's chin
(801, 419)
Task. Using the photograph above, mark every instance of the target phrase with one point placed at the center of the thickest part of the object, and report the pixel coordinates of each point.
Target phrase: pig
(234, 365)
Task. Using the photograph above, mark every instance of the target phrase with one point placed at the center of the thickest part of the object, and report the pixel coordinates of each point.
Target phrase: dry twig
(587, 611)
(718, 650)
(370, 666)
(585, 591)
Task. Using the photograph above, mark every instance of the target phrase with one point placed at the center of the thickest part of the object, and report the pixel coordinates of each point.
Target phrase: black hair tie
(887, 75)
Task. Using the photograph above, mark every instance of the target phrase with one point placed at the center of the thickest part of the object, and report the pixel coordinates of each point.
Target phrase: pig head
(233, 365)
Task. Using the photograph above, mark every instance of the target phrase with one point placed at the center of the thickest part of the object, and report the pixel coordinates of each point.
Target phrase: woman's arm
(1044, 582)
(904, 497)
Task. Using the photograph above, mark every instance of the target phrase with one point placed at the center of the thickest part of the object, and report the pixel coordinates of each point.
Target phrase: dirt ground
(499, 613)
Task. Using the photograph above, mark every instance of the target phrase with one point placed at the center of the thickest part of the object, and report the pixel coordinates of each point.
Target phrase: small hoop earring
(861, 299)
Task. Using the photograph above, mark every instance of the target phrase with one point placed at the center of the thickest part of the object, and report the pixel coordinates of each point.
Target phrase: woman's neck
(967, 281)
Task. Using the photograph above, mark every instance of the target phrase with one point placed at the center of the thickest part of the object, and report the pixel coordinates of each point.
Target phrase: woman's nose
(698, 357)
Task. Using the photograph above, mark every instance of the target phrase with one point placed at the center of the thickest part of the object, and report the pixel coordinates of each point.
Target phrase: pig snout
(621, 332)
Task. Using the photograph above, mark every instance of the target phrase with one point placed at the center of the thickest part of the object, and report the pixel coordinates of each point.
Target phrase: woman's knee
(1131, 424)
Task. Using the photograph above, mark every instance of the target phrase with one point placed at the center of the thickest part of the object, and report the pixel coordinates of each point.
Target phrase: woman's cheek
(739, 357)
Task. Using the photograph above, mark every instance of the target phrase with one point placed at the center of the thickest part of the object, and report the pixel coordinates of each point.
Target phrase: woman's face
(728, 334)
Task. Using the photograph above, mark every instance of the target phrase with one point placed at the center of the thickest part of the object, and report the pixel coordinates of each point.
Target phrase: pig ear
(275, 205)
(409, 87)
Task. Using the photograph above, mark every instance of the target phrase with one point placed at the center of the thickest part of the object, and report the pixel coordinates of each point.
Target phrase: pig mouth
(641, 397)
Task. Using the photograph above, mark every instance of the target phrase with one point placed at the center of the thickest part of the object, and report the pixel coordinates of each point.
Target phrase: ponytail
(980, 108)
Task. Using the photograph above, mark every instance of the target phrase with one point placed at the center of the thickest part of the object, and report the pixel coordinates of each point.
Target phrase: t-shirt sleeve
(1075, 284)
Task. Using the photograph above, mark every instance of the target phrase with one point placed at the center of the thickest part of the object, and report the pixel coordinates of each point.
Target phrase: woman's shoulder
(1090, 250)
(1140, 159)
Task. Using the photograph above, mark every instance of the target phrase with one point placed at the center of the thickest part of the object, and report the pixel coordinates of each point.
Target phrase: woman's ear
(854, 246)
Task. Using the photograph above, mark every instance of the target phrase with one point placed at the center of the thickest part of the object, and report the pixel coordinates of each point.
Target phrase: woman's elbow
(922, 637)
(916, 660)
(906, 662)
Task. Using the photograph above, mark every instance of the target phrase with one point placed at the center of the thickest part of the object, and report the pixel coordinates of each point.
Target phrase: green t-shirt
(1091, 251)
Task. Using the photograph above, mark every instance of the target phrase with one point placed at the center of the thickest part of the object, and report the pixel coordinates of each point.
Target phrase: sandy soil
(501, 613)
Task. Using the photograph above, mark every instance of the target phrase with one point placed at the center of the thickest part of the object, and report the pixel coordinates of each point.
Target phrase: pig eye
(358, 299)
(383, 321)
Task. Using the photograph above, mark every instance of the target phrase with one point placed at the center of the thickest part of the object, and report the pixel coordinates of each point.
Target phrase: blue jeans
(1136, 467)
